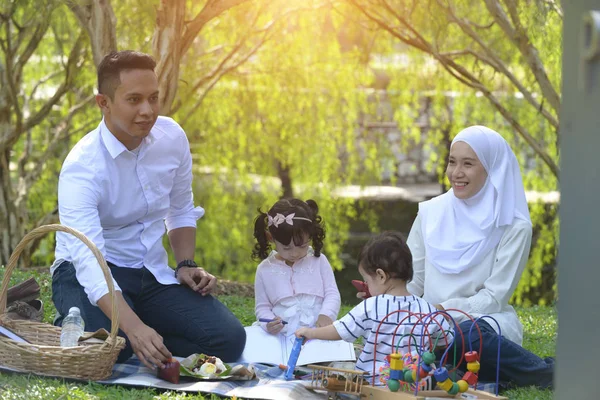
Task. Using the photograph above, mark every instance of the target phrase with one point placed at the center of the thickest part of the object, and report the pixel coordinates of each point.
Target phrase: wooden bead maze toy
(408, 375)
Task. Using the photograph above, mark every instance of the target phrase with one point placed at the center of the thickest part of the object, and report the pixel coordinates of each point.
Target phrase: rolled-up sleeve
(78, 196)
(182, 212)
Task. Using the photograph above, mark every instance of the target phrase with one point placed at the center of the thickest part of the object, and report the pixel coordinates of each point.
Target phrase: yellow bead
(446, 385)
(462, 386)
(396, 362)
(473, 366)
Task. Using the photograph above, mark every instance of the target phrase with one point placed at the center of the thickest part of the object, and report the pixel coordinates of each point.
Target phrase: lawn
(539, 324)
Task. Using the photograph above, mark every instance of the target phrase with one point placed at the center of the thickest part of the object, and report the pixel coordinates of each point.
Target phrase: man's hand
(148, 346)
(275, 326)
(197, 279)
(145, 342)
(323, 320)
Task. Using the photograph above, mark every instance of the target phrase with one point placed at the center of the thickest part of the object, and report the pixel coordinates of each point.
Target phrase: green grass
(539, 324)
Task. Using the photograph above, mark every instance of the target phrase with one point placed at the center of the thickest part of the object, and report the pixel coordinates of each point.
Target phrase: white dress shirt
(122, 200)
(483, 289)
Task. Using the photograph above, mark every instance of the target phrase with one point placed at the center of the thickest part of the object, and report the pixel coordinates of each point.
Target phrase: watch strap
(185, 263)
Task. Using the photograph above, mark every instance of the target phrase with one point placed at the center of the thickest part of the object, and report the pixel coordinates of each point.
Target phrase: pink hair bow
(279, 219)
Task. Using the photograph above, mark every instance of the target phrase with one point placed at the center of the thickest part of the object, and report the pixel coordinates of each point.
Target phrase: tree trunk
(287, 192)
(13, 218)
(98, 19)
(166, 45)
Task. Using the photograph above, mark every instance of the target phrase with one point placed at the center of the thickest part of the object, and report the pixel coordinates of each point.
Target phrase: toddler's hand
(304, 332)
(274, 327)
(323, 320)
(361, 295)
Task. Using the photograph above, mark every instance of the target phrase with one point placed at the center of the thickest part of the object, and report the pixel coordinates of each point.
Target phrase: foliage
(275, 95)
(293, 109)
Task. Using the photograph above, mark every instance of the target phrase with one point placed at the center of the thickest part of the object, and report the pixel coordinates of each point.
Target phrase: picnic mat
(133, 373)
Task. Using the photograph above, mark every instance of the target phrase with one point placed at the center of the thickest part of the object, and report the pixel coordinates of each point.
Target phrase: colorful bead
(453, 390)
(445, 385)
(471, 356)
(396, 374)
(393, 385)
(428, 357)
(396, 362)
(470, 378)
(440, 374)
(473, 366)
(408, 376)
(463, 386)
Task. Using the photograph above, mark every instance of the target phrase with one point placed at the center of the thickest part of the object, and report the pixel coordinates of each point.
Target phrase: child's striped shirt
(365, 318)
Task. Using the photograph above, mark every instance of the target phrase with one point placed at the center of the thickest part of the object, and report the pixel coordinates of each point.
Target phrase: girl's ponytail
(262, 247)
(318, 231)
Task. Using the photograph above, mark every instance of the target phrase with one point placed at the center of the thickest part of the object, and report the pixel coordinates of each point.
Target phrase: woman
(470, 246)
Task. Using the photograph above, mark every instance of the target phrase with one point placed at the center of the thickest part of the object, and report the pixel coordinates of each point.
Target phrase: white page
(315, 351)
(262, 347)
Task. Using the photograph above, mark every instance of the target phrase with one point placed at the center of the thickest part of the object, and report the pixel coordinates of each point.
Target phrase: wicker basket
(43, 355)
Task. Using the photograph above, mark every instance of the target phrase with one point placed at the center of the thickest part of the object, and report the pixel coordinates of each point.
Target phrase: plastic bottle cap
(74, 310)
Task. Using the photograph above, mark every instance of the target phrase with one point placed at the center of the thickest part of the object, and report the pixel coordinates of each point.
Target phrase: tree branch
(519, 37)
(218, 76)
(495, 62)
(537, 148)
(41, 26)
(464, 76)
(49, 218)
(72, 66)
(211, 10)
(62, 132)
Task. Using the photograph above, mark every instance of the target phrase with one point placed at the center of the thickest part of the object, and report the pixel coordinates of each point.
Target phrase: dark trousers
(518, 367)
(188, 322)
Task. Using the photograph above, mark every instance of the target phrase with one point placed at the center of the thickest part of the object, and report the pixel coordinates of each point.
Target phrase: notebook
(262, 347)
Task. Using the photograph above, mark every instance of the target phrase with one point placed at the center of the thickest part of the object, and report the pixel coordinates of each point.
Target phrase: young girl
(385, 263)
(294, 283)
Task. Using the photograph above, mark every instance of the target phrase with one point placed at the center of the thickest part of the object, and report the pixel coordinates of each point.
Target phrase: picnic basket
(43, 354)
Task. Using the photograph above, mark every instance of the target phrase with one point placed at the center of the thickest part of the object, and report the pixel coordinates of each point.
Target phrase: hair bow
(279, 219)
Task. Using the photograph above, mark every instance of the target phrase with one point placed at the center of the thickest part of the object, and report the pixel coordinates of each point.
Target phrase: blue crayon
(294, 354)
(271, 320)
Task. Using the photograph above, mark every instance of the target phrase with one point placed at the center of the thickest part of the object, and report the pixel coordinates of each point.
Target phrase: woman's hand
(323, 320)
(275, 326)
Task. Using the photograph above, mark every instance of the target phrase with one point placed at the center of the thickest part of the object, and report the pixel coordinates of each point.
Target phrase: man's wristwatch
(185, 263)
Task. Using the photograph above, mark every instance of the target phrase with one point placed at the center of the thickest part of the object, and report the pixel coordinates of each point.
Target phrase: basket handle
(41, 231)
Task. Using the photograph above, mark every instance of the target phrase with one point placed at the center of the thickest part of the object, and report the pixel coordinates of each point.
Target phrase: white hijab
(457, 233)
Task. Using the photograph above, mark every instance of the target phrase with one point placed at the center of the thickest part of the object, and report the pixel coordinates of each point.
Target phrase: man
(120, 185)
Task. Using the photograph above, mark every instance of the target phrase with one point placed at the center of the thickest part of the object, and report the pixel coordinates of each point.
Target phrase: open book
(262, 347)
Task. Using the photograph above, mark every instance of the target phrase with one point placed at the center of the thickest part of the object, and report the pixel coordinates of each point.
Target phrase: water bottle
(72, 328)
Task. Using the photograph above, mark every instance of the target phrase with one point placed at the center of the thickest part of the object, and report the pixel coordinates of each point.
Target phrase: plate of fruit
(202, 366)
